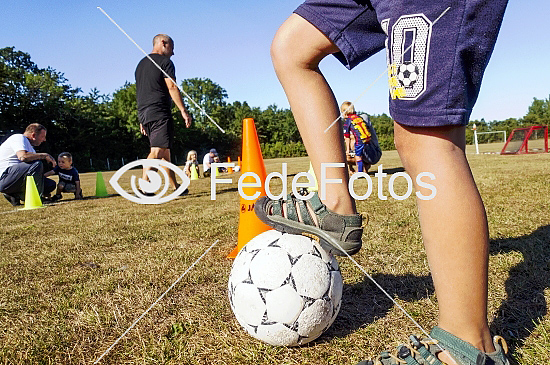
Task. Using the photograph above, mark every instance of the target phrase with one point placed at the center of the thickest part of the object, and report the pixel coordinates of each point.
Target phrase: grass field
(74, 276)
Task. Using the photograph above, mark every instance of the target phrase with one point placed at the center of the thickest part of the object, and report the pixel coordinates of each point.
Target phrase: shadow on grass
(96, 197)
(363, 303)
(372, 172)
(525, 304)
(391, 171)
(69, 200)
(218, 192)
(516, 318)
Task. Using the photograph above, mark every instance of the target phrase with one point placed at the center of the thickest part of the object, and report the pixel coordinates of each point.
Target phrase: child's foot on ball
(338, 234)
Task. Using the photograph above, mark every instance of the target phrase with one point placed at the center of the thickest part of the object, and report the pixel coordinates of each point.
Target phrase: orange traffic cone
(229, 169)
(239, 162)
(249, 225)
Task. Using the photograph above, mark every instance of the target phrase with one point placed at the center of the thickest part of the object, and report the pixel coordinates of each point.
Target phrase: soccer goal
(527, 140)
(489, 142)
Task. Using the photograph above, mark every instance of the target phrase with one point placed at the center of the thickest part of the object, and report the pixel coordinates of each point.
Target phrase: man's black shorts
(160, 133)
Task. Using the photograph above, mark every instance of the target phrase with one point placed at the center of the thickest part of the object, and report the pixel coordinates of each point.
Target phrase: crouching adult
(18, 159)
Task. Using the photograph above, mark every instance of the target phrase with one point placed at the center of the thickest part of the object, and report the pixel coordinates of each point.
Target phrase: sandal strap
(276, 206)
(304, 212)
(325, 218)
(407, 353)
(316, 204)
(291, 212)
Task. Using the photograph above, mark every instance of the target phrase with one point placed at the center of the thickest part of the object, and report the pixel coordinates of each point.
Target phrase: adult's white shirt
(9, 149)
(206, 162)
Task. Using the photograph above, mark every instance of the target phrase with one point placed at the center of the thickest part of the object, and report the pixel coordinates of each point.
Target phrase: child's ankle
(343, 205)
(479, 339)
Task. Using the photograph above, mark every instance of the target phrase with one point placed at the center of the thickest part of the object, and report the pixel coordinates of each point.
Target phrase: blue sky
(228, 42)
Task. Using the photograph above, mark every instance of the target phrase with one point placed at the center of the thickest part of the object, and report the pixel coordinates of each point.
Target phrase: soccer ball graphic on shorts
(285, 289)
(407, 74)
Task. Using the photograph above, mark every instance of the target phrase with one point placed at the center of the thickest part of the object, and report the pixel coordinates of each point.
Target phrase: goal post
(532, 139)
(491, 143)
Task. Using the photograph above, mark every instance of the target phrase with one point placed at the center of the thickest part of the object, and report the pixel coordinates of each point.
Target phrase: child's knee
(281, 50)
(298, 44)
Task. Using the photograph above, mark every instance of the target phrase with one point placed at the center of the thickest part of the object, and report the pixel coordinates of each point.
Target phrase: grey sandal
(336, 233)
(425, 351)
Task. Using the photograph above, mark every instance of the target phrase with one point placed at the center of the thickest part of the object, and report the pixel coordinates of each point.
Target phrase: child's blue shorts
(436, 58)
(370, 153)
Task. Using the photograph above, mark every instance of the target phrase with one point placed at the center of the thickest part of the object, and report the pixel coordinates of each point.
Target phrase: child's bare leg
(454, 229)
(296, 51)
(60, 187)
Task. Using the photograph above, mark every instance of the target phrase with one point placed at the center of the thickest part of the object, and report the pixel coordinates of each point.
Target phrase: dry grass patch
(76, 275)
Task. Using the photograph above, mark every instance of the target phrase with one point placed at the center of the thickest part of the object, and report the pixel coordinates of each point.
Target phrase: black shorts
(68, 187)
(436, 57)
(160, 133)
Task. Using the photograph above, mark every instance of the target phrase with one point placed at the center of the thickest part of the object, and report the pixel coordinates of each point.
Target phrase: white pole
(475, 138)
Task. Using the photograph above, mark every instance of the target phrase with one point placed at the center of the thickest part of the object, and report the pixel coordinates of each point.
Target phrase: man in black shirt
(155, 92)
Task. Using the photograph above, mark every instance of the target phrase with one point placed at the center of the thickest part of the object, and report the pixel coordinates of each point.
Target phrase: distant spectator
(207, 161)
(366, 150)
(69, 180)
(191, 163)
(220, 168)
(350, 155)
(18, 159)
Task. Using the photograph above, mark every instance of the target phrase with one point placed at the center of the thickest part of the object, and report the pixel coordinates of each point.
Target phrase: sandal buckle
(404, 351)
(415, 341)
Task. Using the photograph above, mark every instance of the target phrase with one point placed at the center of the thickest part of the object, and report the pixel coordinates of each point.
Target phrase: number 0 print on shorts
(408, 51)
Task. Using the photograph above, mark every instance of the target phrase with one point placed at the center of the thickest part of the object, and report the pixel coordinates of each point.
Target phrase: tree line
(538, 113)
(97, 126)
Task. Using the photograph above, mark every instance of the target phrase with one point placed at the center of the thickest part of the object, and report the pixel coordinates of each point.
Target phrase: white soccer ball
(285, 289)
(407, 74)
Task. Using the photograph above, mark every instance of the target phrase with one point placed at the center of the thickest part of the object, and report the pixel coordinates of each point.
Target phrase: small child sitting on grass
(69, 180)
(191, 163)
(220, 168)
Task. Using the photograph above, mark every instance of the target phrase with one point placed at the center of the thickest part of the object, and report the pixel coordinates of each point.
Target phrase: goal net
(527, 140)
